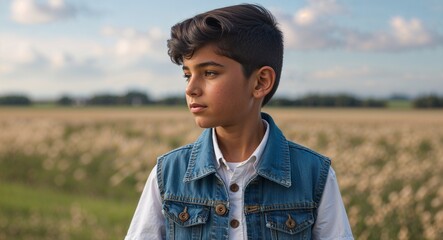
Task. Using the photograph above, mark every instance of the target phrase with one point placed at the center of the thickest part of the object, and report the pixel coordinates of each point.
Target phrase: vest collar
(274, 164)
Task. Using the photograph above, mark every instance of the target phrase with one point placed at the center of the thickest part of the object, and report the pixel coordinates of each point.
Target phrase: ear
(265, 79)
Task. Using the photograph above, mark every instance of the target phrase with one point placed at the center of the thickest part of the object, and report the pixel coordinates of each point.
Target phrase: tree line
(134, 98)
(339, 100)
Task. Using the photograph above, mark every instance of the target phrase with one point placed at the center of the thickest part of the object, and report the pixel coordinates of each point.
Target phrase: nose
(193, 89)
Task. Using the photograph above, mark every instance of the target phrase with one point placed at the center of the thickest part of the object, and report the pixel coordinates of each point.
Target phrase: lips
(196, 107)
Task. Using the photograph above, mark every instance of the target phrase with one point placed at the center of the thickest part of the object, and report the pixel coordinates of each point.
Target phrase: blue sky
(368, 48)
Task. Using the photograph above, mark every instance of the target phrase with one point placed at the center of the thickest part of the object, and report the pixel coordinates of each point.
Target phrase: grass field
(77, 173)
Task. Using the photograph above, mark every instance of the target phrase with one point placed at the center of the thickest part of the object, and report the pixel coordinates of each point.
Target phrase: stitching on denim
(191, 162)
(303, 148)
(284, 207)
(285, 170)
(182, 148)
(195, 201)
(322, 179)
(159, 177)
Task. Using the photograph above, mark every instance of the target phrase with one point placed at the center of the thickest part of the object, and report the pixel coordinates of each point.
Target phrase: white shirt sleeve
(148, 221)
(332, 221)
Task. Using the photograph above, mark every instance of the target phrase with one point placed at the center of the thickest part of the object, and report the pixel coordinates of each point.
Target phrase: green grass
(400, 104)
(30, 213)
(96, 182)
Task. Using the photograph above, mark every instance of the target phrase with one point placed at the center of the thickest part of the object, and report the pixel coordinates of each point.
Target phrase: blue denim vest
(280, 202)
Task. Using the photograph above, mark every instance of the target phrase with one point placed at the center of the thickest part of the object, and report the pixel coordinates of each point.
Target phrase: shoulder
(178, 151)
(176, 156)
(172, 165)
(307, 160)
(311, 166)
(306, 154)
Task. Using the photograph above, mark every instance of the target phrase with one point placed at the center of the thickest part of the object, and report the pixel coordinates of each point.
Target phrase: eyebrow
(204, 64)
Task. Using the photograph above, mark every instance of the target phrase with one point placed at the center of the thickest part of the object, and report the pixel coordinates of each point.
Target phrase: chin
(204, 123)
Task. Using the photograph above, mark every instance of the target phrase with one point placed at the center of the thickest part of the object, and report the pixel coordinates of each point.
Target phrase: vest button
(291, 223)
(234, 187)
(234, 223)
(183, 216)
(220, 209)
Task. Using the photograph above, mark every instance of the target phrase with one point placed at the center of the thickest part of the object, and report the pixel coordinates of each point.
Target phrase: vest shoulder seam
(179, 149)
(306, 149)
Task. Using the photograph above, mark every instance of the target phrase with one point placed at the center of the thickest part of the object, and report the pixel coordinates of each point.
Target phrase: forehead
(208, 54)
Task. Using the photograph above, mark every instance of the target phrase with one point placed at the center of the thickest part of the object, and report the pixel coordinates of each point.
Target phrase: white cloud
(127, 49)
(24, 58)
(410, 32)
(316, 10)
(21, 56)
(37, 64)
(309, 27)
(54, 52)
(132, 45)
(403, 34)
(341, 73)
(61, 60)
(309, 38)
(33, 12)
(313, 27)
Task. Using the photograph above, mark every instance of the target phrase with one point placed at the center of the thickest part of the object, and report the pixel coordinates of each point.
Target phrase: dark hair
(246, 33)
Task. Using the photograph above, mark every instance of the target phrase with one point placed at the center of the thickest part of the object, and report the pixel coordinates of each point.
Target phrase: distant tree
(430, 101)
(104, 99)
(374, 103)
(65, 101)
(15, 100)
(399, 96)
(318, 100)
(135, 98)
(281, 101)
(314, 100)
(173, 100)
(344, 100)
(341, 100)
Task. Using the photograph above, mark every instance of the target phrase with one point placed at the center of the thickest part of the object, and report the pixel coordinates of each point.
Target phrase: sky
(377, 48)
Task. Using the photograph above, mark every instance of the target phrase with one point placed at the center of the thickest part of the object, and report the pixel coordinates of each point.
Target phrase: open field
(76, 173)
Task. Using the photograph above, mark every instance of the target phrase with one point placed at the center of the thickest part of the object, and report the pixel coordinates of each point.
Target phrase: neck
(238, 142)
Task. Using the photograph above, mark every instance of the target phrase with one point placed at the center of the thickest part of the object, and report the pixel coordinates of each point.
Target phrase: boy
(241, 179)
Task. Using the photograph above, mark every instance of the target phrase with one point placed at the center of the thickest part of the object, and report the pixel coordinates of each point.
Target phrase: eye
(210, 73)
(187, 76)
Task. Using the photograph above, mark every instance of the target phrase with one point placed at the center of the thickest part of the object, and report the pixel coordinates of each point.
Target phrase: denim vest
(280, 201)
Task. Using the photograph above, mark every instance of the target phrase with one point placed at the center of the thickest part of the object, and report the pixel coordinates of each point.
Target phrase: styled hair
(246, 33)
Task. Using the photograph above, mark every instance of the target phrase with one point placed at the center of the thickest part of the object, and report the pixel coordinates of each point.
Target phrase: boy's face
(217, 92)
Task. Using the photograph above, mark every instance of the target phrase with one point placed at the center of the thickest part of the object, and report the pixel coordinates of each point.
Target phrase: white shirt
(148, 221)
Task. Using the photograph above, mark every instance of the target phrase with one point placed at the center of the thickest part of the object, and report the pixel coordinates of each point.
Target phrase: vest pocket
(290, 224)
(184, 221)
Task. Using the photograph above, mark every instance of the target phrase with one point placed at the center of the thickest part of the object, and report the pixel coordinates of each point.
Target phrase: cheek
(233, 89)
(225, 96)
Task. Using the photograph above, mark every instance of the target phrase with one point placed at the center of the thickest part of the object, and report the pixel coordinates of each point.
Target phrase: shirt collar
(274, 165)
(256, 155)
